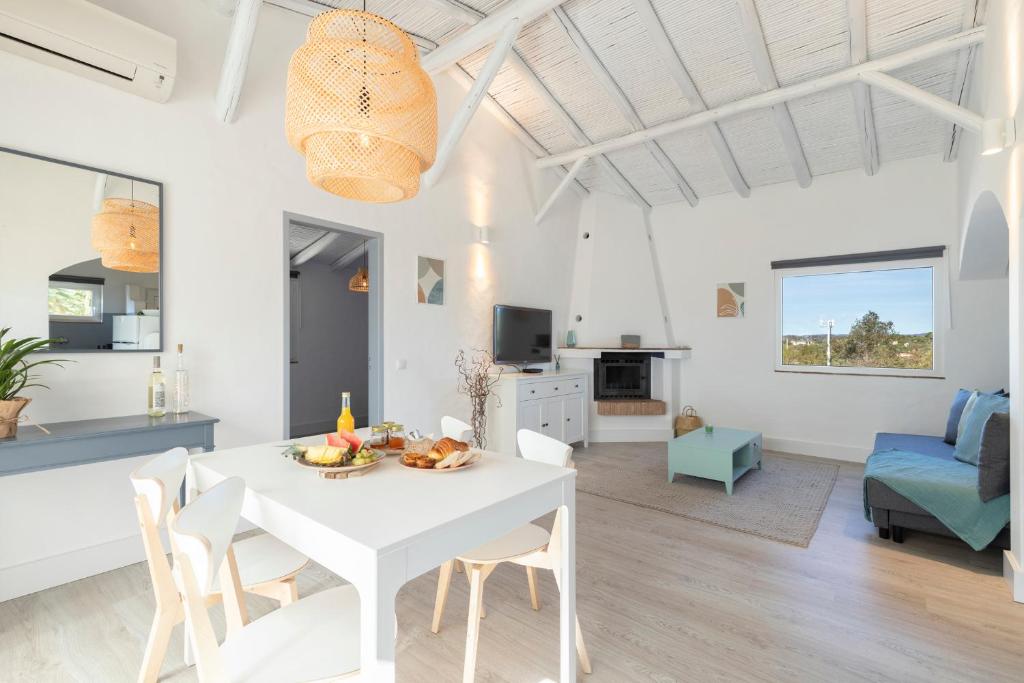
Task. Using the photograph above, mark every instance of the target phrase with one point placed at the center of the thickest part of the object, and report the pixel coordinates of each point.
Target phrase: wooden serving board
(340, 472)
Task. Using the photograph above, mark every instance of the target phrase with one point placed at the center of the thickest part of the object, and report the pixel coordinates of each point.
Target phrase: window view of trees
(70, 302)
(864, 317)
(870, 343)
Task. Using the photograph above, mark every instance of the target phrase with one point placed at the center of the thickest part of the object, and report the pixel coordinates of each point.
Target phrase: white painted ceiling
(805, 39)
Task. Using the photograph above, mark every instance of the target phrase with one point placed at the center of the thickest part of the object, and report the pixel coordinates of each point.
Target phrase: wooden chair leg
(531, 578)
(444, 579)
(469, 578)
(164, 622)
(289, 592)
(477, 575)
(581, 649)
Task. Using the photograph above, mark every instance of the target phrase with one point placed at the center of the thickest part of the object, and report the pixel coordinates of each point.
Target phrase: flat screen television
(521, 335)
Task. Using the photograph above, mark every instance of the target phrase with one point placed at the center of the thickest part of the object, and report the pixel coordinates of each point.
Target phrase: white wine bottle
(157, 391)
(182, 400)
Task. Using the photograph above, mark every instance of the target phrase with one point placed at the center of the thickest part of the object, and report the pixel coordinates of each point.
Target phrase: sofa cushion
(968, 442)
(994, 458)
(915, 443)
(968, 407)
(955, 411)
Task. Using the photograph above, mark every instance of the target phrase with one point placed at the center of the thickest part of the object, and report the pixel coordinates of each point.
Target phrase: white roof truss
(673, 100)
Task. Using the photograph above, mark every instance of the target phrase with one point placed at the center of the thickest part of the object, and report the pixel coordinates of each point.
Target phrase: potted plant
(15, 376)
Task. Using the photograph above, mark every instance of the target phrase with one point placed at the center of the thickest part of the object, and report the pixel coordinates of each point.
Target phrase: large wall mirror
(80, 255)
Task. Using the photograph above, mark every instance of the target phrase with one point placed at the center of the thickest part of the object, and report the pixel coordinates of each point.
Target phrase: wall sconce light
(483, 235)
(997, 135)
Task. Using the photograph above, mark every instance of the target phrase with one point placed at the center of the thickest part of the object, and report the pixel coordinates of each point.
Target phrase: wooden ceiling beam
(974, 15)
(679, 73)
(575, 131)
(569, 177)
(484, 32)
(858, 26)
(464, 114)
(470, 16)
(516, 128)
(625, 107)
(236, 59)
(315, 247)
(841, 78)
(753, 35)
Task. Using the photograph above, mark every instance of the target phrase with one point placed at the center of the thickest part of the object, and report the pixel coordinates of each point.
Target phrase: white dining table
(385, 528)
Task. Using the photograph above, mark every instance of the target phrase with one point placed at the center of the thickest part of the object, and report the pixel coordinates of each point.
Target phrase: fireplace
(622, 376)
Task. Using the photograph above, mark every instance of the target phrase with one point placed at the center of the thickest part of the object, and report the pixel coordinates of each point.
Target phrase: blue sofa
(891, 512)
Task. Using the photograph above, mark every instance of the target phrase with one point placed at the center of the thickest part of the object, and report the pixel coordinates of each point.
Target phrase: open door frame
(375, 260)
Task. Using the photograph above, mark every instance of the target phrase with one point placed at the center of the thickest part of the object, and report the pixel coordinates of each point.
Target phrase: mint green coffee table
(725, 455)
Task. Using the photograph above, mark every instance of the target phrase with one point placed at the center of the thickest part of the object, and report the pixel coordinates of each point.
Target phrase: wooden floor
(661, 598)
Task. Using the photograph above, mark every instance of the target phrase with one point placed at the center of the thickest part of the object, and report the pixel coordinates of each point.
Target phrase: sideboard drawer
(551, 388)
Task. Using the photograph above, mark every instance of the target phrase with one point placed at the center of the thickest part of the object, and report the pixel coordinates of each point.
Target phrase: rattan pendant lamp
(360, 108)
(126, 233)
(360, 282)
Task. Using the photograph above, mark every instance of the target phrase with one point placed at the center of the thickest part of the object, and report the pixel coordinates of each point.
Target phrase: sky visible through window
(903, 296)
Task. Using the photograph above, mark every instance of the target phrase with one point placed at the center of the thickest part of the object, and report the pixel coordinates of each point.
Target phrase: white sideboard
(553, 403)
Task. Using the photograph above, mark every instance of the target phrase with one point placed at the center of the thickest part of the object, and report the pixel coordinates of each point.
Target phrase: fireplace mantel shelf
(673, 353)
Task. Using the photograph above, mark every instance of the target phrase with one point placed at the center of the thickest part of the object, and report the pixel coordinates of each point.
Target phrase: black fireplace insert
(622, 376)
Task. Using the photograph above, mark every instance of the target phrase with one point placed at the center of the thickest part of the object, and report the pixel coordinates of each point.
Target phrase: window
(75, 299)
(876, 314)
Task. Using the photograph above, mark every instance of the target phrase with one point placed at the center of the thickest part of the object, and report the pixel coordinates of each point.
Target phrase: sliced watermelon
(352, 439)
(336, 440)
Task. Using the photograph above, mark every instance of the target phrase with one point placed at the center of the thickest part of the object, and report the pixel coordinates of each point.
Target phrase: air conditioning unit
(90, 41)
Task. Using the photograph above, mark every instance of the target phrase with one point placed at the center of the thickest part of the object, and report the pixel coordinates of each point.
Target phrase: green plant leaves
(15, 374)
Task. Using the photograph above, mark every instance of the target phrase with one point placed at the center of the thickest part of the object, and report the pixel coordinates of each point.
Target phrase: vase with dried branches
(477, 380)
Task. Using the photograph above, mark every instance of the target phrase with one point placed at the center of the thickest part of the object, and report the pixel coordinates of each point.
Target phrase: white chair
(268, 566)
(456, 429)
(531, 546)
(313, 639)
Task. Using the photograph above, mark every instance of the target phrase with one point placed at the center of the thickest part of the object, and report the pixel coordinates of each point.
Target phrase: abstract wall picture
(430, 280)
(730, 300)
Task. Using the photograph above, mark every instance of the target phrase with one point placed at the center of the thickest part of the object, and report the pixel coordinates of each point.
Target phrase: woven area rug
(783, 501)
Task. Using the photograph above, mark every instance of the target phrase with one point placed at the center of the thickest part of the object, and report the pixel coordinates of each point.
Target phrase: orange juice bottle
(346, 423)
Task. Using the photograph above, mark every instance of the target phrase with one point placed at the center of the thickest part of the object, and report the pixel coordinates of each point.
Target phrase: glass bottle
(346, 423)
(157, 405)
(182, 399)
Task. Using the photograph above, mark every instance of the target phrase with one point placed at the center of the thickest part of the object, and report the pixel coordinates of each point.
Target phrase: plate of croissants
(446, 455)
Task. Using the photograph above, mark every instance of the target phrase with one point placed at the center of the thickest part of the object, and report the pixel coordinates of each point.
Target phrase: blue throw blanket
(948, 489)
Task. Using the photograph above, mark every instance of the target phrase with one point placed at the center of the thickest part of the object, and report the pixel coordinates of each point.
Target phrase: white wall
(226, 189)
(730, 377)
(332, 349)
(998, 92)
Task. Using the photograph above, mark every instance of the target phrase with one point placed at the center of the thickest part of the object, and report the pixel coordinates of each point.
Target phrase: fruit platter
(342, 456)
(446, 455)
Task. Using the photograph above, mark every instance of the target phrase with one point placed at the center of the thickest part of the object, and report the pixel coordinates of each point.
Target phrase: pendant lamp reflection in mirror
(360, 108)
(126, 233)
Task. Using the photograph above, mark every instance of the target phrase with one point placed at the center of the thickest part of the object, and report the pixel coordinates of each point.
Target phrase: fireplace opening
(619, 376)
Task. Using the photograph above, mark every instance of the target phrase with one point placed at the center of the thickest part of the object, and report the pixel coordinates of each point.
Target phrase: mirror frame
(160, 243)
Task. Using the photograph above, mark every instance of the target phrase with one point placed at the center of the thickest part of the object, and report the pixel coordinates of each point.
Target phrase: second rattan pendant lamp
(360, 108)
(360, 282)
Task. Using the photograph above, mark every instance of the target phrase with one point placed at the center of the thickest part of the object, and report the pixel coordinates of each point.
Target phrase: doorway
(333, 340)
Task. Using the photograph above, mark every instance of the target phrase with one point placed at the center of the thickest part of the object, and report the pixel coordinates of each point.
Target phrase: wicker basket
(688, 421)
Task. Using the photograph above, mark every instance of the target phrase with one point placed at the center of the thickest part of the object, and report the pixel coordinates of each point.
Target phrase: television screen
(521, 335)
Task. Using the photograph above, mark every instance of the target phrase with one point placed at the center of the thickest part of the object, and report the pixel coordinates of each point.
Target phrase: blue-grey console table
(87, 441)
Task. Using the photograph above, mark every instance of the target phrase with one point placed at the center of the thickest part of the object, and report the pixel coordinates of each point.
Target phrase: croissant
(442, 449)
